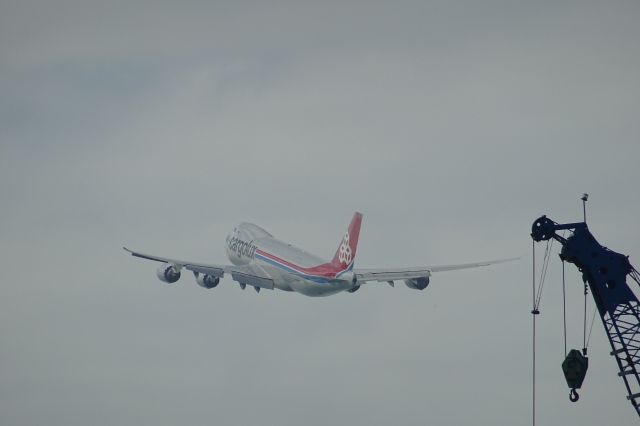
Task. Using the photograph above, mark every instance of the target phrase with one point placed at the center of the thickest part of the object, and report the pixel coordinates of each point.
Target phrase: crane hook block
(575, 367)
(573, 395)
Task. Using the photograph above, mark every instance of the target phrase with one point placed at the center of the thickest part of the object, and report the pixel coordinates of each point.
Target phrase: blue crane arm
(606, 273)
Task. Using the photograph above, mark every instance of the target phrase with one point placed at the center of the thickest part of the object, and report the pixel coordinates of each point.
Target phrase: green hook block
(575, 367)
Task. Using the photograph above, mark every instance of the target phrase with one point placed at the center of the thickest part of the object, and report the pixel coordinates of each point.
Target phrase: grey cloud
(451, 126)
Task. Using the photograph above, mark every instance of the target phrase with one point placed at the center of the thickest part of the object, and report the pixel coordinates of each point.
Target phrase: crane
(605, 272)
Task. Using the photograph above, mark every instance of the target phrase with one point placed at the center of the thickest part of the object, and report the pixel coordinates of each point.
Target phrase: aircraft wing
(253, 276)
(392, 274)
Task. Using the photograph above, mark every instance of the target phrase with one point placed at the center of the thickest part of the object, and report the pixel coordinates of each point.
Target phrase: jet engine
(168, 273)
(354, 289)
(417, 283)
(207, 281)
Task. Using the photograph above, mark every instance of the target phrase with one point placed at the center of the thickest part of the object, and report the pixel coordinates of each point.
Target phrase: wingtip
(510, 259)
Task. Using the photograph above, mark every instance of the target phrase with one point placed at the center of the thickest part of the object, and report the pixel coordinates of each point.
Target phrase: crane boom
(605, 271)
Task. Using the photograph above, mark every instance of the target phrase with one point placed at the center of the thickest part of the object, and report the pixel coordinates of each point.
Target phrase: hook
(573, 395)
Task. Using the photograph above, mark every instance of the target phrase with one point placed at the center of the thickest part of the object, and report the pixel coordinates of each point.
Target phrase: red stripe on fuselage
(325, 270)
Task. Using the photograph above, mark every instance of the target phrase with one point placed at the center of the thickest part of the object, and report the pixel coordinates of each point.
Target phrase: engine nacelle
(168, 273)
(354, 289)
(207, 281)
(417, 283)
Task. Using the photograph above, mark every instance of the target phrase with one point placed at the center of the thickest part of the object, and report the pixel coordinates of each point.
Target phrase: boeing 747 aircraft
(261, 261)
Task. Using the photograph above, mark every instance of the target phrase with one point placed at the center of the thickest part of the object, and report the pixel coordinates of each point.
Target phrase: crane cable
(564, 310)
(543, 274)
(536, 299)
(584, 322)
(534, 312)
(593, 317)
(586, 338)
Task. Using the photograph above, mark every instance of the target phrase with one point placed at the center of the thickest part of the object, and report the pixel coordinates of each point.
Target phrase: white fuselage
(290, 268)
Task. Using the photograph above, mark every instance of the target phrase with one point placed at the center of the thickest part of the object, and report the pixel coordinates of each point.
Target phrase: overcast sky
(451, 125)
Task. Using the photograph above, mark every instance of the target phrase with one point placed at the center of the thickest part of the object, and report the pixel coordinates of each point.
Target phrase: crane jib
(605, 272)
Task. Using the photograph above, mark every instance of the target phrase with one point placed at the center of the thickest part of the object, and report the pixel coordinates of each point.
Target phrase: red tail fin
(347, 249)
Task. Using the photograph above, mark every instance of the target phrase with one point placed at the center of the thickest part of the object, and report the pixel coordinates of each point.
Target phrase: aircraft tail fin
(346, 252)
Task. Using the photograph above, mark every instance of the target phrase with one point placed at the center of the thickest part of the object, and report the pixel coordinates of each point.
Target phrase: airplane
(264, 262)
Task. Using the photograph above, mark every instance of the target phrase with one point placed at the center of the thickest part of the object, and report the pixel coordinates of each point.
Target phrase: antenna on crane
(584, 199)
